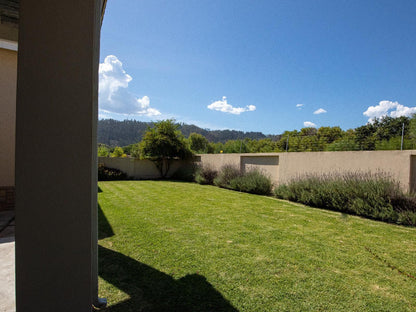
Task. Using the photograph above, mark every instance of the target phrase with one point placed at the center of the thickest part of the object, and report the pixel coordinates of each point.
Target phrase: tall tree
(198, 143)
(163, 143)
(365, 137)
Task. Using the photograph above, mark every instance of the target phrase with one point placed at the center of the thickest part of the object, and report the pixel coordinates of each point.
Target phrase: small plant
(110, 174)
(374, 196)
(205, 175)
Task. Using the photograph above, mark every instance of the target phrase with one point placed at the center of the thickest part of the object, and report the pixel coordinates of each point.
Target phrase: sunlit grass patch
(170, 246)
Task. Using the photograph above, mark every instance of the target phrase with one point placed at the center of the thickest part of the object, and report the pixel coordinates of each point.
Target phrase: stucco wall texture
(8, 81)
(282, 167)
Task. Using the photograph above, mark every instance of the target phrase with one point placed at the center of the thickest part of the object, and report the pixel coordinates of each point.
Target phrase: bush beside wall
(226, 175)
(110, 174)
(185, 173)
(252, 182)
(231, 177)
(374, 196)
(205, 175)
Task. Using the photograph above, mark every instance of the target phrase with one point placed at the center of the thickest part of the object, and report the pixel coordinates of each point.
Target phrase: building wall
(8, 80)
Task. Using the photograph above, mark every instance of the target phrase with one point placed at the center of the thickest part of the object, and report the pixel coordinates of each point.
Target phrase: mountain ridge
(121, 133)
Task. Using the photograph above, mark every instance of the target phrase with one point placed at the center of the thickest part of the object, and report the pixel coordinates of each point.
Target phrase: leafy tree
(262, 146)
(365, 137)
(327, 135)
(389, 127)
(135, 151)
(210, 148)
(217, 147)
(346, 143)
(132, 150)
(235, 146)
(393, 143)
(295, 144)
(412, 131)
(308, 131)
(282, 144)
(118, 152)
(198, 143)
(162, 143)
(309, 144)
(103, 150)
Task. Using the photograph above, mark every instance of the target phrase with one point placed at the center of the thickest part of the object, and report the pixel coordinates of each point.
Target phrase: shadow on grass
(150, 289)
(104, 227)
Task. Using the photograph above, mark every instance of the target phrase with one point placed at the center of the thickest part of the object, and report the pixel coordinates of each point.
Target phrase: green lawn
(171, 246)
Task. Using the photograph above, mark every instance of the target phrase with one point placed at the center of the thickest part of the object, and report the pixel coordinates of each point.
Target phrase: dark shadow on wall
(152, 290)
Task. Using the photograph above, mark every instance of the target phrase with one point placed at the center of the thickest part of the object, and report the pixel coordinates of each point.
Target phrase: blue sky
(266, 66)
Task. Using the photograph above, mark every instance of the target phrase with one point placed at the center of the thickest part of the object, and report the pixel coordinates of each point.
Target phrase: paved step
(7, 280)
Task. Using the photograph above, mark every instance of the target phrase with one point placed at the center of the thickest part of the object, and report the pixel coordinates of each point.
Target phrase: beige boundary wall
(282, 167)
(140, 169)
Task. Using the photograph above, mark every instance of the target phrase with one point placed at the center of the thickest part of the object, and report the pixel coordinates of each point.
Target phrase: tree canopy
(162, 143)
(198, 143)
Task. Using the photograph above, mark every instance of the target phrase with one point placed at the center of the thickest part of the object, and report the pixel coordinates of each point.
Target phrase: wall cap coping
(8, 45)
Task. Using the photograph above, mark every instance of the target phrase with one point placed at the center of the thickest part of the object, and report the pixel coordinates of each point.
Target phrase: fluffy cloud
(388, 108)
(299, 106)
(319, 111)
(114, 96)
(309, 124)
(223, 106)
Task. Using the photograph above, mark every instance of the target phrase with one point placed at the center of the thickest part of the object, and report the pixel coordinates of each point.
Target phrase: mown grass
(171, 246)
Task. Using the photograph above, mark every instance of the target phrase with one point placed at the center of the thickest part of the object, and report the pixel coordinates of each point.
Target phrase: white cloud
(319, 111)
(299, 106)
(114, 96)
(223, 106)
(388, 108)
(309, 124)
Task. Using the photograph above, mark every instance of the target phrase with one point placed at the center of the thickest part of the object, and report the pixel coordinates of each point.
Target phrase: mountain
(121, 133)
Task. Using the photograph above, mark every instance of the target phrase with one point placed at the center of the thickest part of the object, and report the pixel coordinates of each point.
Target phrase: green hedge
(374, 196)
